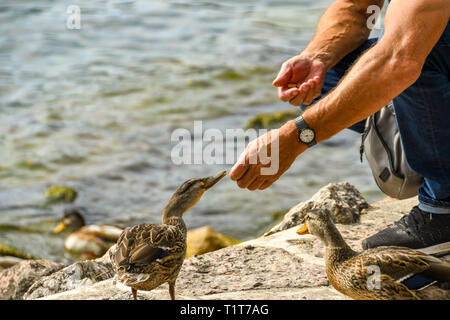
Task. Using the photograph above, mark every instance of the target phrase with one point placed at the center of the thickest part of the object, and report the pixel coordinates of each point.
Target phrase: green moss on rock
(230, 75)
(199, 83)
(268, 120)
(60, 194)
(31, 165)
(8, 250)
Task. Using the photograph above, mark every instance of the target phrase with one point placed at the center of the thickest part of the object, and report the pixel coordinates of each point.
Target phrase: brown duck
(149, 255)
(88, 241)
(378, 273)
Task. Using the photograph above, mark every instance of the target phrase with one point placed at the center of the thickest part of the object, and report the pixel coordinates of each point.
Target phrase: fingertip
(265, 185)
(237, 171)
(281, 79)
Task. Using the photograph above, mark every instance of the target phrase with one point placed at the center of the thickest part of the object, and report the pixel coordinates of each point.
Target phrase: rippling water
(94, 109)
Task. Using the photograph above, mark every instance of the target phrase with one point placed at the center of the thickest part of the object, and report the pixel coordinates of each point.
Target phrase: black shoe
(416, 230)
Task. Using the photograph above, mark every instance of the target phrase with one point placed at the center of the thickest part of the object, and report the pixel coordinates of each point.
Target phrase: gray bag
(384, 152)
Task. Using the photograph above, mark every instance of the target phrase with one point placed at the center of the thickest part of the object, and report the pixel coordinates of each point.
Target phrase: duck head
(72, 220)
(189, 193)
(318, 222)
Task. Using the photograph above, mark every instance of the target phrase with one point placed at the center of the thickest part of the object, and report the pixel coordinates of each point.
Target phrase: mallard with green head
(88, 241)
(383, 273)
(149, 255)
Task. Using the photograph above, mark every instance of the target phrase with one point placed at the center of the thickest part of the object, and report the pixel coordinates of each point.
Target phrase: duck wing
(145, 244)
(439, 269)
(400, 262)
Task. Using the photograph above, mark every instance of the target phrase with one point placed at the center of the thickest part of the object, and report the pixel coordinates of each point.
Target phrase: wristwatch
(306, 135)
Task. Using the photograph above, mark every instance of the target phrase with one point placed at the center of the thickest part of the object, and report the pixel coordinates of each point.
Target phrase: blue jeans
(423, 118)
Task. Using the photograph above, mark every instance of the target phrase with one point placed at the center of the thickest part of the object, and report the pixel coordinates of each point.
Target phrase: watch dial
(307, 135)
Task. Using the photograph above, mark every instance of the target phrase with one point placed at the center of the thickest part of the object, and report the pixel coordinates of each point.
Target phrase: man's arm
(341, 29)
(412, 28)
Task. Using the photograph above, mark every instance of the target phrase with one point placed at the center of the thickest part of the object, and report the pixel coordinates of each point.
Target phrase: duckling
(149, 255)
(89, 241)
(383, 273)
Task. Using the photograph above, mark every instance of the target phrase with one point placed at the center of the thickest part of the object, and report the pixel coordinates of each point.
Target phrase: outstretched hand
(307, 73)
(267, 157)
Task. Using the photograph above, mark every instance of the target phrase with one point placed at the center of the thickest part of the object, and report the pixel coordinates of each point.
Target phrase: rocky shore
(277, 265)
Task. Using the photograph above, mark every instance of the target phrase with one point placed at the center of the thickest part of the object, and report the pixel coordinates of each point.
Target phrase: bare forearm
(385, 70)
(361, 93)
(341, 29)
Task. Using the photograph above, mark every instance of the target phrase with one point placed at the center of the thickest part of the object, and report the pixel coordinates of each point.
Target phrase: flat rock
(247, 267)
(111, 290)
(343, 201)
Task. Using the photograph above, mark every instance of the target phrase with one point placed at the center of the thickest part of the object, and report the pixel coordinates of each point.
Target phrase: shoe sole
(437, 250)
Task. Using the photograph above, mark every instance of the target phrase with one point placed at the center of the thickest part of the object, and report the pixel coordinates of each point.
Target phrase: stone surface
(343, 201)
(107, 290)
(15, 281)
(79, 274)
(205, 239)
(248, 267)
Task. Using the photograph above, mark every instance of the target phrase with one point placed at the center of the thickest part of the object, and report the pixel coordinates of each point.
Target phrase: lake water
(94, 109)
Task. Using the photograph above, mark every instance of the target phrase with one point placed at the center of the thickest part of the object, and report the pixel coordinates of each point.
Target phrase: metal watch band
(301, 125)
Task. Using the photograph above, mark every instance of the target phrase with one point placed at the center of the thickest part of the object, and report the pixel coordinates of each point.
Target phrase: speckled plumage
(149, 255)
(355, 273)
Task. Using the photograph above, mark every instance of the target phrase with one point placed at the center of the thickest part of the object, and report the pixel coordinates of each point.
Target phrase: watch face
(306, 136)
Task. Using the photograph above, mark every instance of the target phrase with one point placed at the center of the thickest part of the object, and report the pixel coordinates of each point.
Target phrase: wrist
(314, 118)
(289, 129)
(318, 56)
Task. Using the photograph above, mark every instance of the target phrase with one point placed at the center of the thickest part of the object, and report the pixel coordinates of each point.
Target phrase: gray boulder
(343, 201)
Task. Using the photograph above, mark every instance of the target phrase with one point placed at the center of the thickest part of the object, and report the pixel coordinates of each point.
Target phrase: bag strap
(364, 136)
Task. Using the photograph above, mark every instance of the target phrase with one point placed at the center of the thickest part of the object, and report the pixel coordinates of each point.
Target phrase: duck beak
(210, 181)
(303, 230)
(60, 227)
